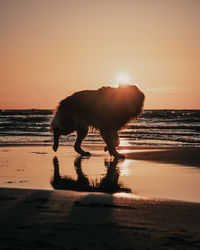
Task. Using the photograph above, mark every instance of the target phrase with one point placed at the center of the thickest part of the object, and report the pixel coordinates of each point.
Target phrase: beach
(114, 206)
(118, 83)
(36, 219)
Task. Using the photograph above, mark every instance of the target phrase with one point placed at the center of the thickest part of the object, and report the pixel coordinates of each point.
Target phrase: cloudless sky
(51, 48)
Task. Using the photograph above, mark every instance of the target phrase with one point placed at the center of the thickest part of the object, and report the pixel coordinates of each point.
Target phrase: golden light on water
(124, 168)
(128, 195)
(124, 142)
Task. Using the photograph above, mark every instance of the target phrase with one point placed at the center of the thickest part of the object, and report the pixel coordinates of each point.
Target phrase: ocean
(153, 128)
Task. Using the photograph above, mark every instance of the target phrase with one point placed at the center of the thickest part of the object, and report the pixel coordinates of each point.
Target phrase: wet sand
(166, 173)
(34, 218)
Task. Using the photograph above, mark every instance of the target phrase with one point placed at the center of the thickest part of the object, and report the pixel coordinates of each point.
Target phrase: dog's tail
(53, 124)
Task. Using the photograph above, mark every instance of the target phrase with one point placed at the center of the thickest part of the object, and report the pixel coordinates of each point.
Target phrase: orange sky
(50, 48)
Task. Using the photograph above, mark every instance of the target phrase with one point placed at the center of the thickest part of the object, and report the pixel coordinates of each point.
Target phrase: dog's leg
(81, 134)
(57, 133)
(56, 136)
(116, 138)
(109, 139)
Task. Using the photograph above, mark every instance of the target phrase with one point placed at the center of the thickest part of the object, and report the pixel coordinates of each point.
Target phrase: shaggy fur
(106, 109)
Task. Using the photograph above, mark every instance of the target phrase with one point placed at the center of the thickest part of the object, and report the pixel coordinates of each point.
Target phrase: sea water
(153, 128)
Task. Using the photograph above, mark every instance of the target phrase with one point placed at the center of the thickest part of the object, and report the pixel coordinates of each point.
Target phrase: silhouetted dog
(107, 109)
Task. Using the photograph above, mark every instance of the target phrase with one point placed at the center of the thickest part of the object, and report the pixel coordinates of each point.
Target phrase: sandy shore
(35, 219)
(188, 156)
(32, 218)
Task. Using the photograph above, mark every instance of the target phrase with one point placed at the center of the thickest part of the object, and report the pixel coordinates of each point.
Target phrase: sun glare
(122, 79)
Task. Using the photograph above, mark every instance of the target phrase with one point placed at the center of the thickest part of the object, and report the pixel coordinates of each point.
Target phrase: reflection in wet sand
(148, 172)
(108, 184)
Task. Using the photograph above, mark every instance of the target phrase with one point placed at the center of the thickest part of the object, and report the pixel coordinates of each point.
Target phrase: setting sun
(122, 78)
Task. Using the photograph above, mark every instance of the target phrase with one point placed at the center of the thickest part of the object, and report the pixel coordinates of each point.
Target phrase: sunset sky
(51, 48)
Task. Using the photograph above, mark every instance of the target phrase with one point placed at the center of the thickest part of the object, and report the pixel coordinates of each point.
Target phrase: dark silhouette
(107, 184)
(107, 109)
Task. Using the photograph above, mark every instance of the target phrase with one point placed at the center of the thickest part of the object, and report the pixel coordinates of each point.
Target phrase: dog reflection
(108, 184)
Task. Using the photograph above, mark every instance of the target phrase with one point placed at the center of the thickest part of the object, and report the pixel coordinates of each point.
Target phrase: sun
(122, 78)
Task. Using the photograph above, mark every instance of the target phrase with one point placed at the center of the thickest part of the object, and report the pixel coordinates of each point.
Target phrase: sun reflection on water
(128, 195)
(124, 168)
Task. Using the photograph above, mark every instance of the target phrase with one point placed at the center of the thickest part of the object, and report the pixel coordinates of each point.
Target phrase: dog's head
(132, 94)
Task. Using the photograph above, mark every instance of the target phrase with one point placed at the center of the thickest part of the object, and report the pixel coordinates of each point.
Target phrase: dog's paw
(55, 147)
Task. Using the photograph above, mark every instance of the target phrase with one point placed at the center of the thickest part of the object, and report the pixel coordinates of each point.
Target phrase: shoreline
(185, 155)
(90, 145)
